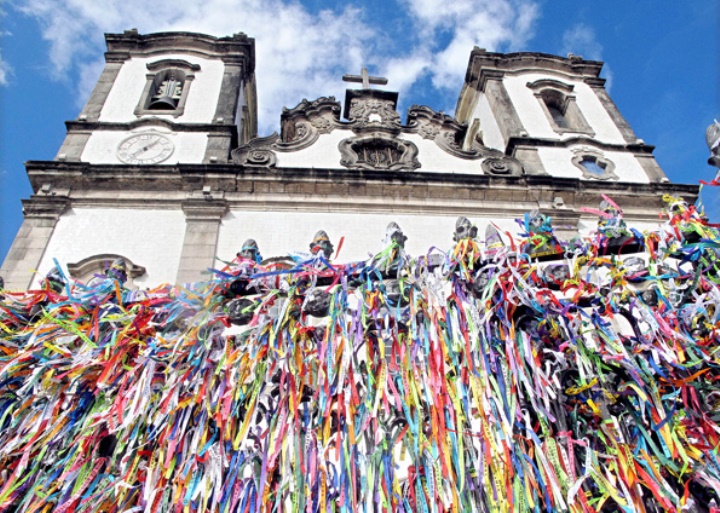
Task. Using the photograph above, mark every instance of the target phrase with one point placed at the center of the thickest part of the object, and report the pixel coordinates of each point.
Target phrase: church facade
(164, 168)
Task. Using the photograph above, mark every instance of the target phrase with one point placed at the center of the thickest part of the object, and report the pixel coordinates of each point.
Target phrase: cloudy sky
(661, 62)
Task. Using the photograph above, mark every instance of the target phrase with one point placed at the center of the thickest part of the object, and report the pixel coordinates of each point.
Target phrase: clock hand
(144, 148)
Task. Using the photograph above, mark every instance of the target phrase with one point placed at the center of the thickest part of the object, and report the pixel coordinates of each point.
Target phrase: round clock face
(149, 148)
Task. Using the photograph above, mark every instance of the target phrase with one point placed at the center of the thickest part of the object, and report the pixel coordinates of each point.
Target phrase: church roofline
(484, 64)
(230, 48)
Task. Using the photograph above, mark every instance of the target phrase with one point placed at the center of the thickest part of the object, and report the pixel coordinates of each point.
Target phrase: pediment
(376, 138)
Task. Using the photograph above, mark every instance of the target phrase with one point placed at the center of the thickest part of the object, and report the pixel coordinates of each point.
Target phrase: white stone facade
(524, 131)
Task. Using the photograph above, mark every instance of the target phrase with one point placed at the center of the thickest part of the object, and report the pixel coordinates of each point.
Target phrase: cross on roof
(365, 79)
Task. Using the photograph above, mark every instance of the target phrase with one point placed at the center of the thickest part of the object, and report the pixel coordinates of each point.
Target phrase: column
(202, 227)
(26, 253)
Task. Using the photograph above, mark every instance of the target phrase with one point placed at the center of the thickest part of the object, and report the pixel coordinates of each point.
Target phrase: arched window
(560, 106)
(167, 86)
(555, 104)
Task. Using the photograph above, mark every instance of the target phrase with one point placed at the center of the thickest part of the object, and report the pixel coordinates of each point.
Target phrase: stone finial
(393, 233)
(321, 242)
(464, 229)
(712, 137)
(55, 280)
(317, 303)
(493, 241)
(117, 270)
(250, 251)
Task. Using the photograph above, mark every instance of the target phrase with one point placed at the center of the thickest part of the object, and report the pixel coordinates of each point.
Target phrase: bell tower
(167, 98)
(115, 188)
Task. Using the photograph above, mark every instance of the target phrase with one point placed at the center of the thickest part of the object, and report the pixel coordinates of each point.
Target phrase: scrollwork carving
(446, 131)
(502, 166)
(258, 158)
(378, 151)
(373, 112)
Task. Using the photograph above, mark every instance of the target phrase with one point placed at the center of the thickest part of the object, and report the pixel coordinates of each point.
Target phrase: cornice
(484, 65)
(515, 142)
(229, 177)
(92, 126)
(238, 48)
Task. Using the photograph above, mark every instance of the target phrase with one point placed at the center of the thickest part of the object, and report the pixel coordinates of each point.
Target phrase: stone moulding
(378, 150)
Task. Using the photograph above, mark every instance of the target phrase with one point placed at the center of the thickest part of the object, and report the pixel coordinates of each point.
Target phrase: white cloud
(299, 54)
(5, 71)
(582, 40)
(449, 31)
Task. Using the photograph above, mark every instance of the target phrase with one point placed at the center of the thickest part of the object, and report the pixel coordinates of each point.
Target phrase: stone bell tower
(167, 98)
(162, 100)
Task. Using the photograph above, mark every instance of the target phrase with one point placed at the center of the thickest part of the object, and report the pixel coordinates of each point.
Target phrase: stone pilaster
(26, 253)
(202, 227)
(502, 106)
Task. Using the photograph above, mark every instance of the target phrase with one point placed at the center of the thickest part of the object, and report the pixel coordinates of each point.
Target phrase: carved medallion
(378, 151)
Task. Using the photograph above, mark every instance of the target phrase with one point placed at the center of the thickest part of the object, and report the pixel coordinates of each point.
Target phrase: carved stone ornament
(256, 153)
(257, 158)
(502, 166)
(378, 151)
(373, 113)
(301, 127)
(446, 131)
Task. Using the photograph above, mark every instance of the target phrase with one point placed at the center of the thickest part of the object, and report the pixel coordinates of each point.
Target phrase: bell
(163, 103)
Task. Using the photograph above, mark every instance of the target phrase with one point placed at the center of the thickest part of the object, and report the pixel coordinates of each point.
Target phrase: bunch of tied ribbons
(477, 380)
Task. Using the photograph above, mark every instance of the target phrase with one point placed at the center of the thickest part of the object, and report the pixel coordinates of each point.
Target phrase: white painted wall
(101, 147)
(128, 88)
(326, 154)
(151, 238)
(323, 153)
(558, 162)
(279, 233)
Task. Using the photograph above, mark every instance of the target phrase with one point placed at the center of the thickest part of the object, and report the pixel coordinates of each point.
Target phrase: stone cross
(365, 79)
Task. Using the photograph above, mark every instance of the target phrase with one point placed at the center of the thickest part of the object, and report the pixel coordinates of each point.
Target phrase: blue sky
(661, 62)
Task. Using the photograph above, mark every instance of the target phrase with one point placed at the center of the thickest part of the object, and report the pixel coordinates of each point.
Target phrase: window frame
(158, 71)
(558, 94)
(607, 165)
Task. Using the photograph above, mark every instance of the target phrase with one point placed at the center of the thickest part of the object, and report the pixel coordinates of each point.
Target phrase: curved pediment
(313, 135)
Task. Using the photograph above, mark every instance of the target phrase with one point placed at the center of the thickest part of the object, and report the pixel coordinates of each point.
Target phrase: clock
(146, 148)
